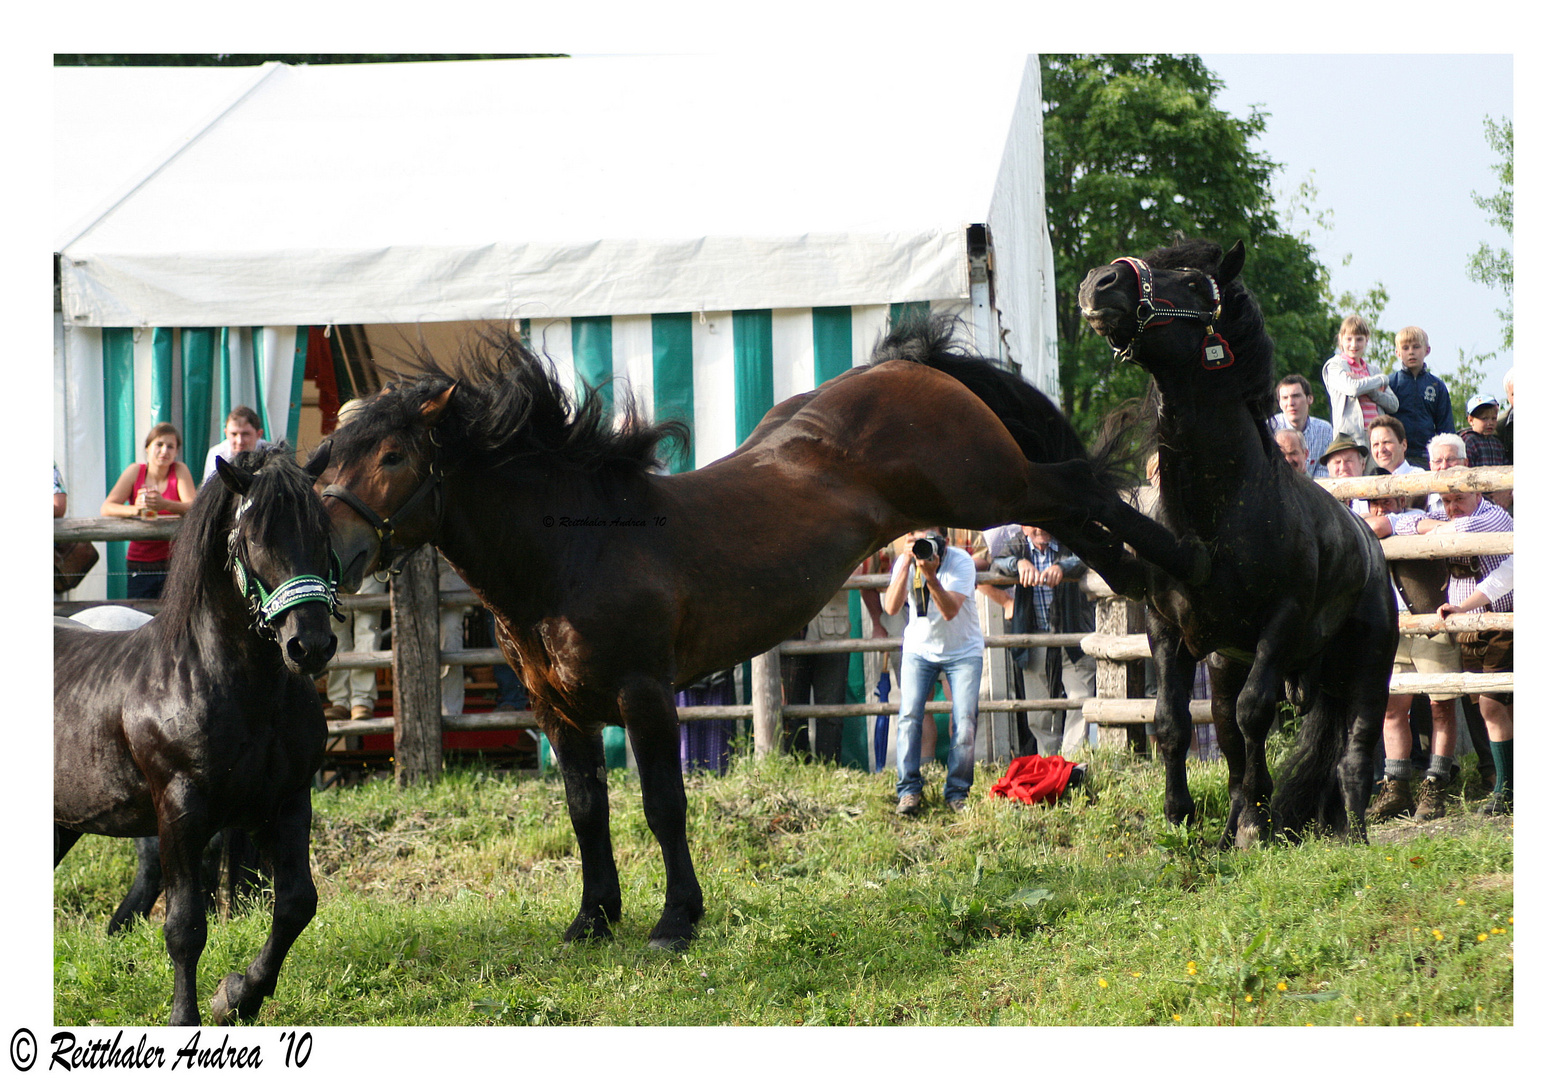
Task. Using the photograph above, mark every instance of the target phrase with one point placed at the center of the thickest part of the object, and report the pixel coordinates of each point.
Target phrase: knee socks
(1399, 769)
(1502, 755)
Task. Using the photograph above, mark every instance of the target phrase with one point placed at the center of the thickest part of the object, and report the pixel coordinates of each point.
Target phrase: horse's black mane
(1240, 324)
(508, 404)
(283, 500)
(932, 340)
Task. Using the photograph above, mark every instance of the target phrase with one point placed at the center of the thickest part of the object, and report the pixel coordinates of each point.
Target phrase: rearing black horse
(1298, 597)
(207, 717)
(612, 586)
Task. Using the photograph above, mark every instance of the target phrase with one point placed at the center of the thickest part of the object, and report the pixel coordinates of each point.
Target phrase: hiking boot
(1392, 799)
(957, 805)
(1499, 804)
(1431, 802)
(909, 805)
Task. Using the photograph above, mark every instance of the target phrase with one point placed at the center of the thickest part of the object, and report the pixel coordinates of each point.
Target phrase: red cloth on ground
(1034, 779)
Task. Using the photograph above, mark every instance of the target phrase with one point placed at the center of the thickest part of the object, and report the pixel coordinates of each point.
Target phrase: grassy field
(445, 905)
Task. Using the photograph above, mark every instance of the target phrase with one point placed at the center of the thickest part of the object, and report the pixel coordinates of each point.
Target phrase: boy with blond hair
(1424, 406)
(1356, 396)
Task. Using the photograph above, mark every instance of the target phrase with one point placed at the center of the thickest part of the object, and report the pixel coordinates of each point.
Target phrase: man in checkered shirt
(1483, 584)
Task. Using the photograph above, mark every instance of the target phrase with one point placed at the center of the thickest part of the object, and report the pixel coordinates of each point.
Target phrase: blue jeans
(915, 682)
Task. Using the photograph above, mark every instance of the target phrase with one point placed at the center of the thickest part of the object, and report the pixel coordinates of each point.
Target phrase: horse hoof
(588, 928)
(225, 1009)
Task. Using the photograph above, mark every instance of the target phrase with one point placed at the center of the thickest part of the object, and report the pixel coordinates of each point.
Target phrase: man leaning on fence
(1483, 583)
(1048, 600)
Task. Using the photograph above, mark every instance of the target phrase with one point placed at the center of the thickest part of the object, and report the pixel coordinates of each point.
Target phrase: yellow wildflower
(1176, 1018)
(1460, 901)
(1283, 985)
(1248, 999)
(1103, 984)
(1481, 937)
(1438, 935)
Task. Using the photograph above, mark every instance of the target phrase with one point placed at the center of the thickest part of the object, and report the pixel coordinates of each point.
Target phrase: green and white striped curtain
(120, 381)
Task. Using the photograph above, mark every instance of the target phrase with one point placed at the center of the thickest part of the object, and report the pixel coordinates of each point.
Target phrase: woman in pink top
(162, 486)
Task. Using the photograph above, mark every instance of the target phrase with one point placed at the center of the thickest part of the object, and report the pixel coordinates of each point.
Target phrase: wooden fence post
(766, 701)
(1120, 679)
(416, 671)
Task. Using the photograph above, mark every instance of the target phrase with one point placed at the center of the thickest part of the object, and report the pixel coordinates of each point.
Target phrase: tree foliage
(1135, 152)
(1494, 266)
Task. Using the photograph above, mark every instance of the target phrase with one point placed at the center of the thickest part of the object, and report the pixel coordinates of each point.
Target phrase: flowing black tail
(1042, 432)
(1310, 795)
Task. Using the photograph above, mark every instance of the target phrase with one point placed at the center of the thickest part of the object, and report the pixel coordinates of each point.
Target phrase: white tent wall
(654, 198)
(1022, 279)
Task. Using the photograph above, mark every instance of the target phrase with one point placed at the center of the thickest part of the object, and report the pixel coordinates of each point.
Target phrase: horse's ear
(432, 411)
(1230, 265)
(319, 459)
(236, 481)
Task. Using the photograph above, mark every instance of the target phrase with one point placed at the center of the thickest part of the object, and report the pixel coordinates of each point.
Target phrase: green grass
(445, 905)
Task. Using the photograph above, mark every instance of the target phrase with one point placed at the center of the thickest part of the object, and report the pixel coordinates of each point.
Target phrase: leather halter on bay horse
(1216, 354)
(386, 527)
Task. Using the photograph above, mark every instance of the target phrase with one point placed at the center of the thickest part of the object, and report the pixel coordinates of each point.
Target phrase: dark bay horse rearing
(613, 586)
(207, 717)
(1298, 597)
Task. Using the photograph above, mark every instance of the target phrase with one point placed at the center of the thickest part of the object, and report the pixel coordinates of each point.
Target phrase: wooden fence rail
(415, 658)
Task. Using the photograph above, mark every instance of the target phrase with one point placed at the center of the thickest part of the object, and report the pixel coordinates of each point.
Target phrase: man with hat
(1346, 457)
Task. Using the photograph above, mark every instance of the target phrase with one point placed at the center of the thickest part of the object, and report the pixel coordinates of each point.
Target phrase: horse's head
(1160, 315)
(280, 554)
(384, 495)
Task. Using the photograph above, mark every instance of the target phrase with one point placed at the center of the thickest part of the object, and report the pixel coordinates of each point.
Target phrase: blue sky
(1395, 145)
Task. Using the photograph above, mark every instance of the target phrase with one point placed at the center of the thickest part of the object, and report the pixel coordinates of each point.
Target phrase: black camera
(930, 547)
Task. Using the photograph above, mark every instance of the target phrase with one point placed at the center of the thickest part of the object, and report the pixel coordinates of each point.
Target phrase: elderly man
(1434, 655)
(1293, 446)
(1343, 458)
(1490, 576)
(1295, 413)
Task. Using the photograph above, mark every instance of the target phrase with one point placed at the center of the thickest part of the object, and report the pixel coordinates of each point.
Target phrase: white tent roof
(378, 193)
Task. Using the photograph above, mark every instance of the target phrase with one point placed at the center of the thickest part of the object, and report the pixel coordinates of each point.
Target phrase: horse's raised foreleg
(1173, 715)
(183, 832)
(285, 843)
(1226, 678)
(1068, 497)
(145, 887)
(581, 759)
(648, 709)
